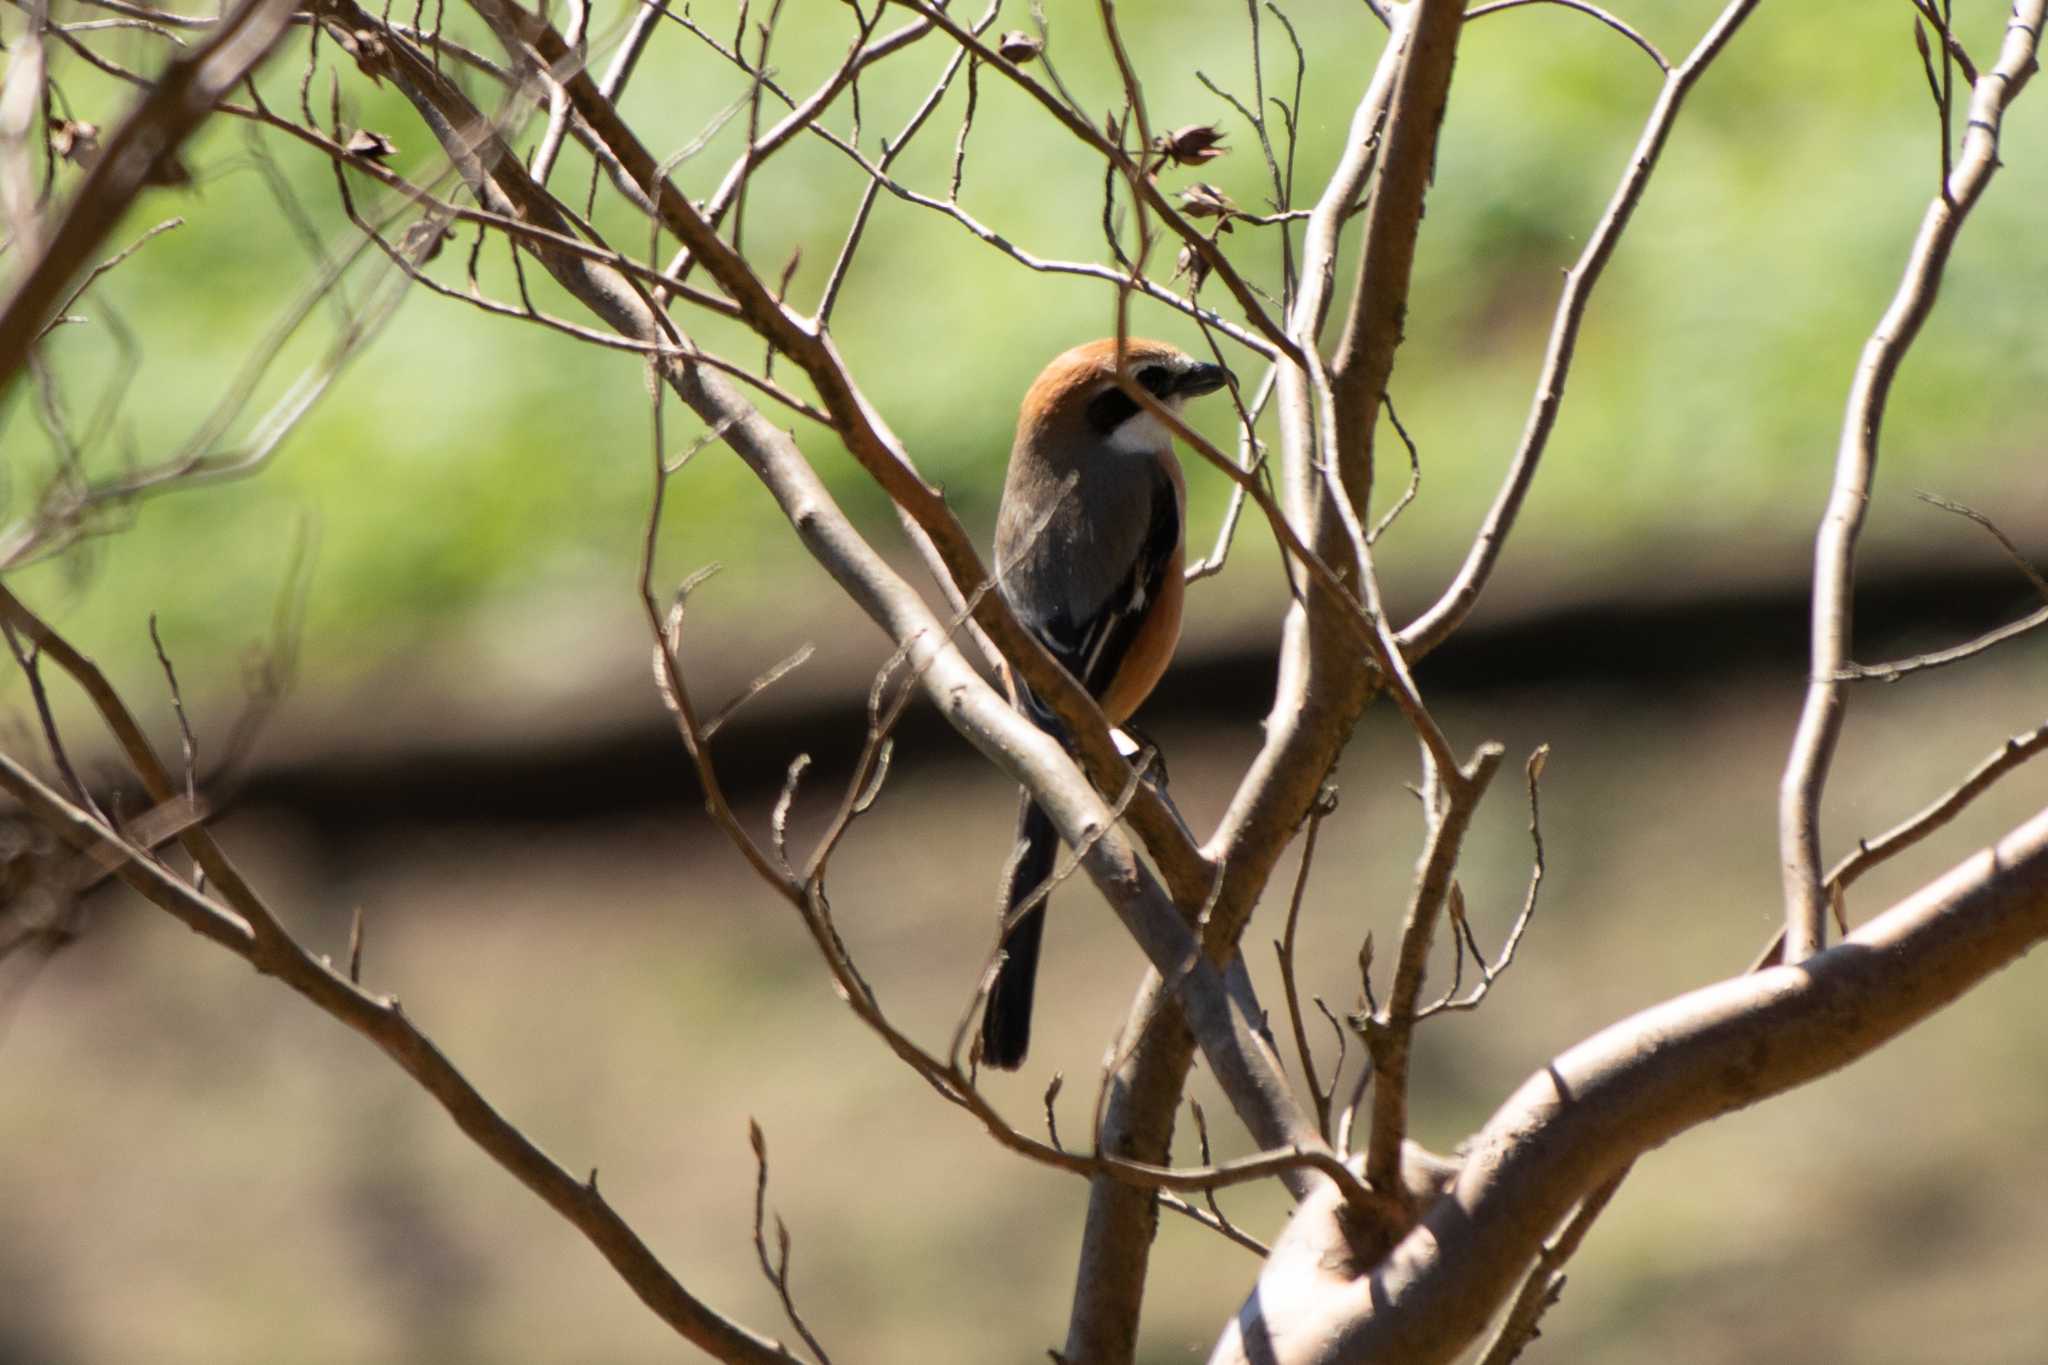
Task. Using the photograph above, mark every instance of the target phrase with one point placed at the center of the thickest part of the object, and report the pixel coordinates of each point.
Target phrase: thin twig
(191, 745)
(2012, 551)
(1612, 21)
(1215, 1223)
(1910, 831)
(1149, 193)
(29, 658)
(878, 176)
(93, 276)
(776, 1271)
(1894, 669)
(1394, 1026)
(1490, 972)
(1414, 473)
(1284, 948)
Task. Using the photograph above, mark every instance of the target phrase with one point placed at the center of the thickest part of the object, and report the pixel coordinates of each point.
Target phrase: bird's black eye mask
(1113, 407)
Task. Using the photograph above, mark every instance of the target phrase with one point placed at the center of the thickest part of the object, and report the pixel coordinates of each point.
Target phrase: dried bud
(76, 141)
(1201, 200)
(367, 48)
(1192, 145)
(1192, 264)
(368, 145)
(422, 241)
(1019, 47)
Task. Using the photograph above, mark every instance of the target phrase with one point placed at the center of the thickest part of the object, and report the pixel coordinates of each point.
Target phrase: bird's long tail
(1006, 1023)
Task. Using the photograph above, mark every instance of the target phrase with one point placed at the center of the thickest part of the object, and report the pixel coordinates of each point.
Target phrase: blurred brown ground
(201, 1168)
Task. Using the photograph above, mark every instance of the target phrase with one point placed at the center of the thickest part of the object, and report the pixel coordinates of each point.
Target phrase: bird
(1089, 554)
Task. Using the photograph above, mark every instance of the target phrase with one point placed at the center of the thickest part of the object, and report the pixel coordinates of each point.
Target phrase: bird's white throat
(1142, 433)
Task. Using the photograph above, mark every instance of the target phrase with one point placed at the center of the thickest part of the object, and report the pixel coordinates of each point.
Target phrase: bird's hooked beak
(1197, 380)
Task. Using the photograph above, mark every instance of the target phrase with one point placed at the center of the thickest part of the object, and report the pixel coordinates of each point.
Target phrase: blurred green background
(200, 1168)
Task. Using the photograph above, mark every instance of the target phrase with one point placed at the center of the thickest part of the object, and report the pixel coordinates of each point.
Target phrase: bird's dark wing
(1093, 649)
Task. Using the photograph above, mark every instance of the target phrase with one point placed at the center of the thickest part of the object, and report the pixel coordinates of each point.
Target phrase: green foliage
(467, 460)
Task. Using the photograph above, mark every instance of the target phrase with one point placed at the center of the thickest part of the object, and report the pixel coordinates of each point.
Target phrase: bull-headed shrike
(1089, 554)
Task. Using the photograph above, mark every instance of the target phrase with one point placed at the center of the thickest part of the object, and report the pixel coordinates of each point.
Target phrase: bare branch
(2012, 551)
(29, 659)
(93, 276)
(1612, 21)
(878, 173)
(1414, 474)
(1393, 1028)
(1121, 162)
(1215, 1222)
(1490, 972)
(1593, 1109)
(1899, 668)
(179, 99)
(1894, 669)
(1284, 949)
(1902, 836)
(1434, 626)
(1820, 719)
(191, 745)
(380, 1020)
(1320, 693)
(776, 1271)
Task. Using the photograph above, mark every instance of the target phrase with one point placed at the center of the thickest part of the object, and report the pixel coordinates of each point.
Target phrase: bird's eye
(1156, 379)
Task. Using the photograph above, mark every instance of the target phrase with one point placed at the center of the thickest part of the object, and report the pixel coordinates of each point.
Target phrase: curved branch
(1613, 21)
(1434, 626)
(1590, 1111)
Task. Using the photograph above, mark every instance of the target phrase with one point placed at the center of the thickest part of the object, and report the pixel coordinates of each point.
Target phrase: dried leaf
(422, 242)
(369, 145)
(1191, 145)
(367, 48)
(1019, 47)
(1202, 200)
(76, 141)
